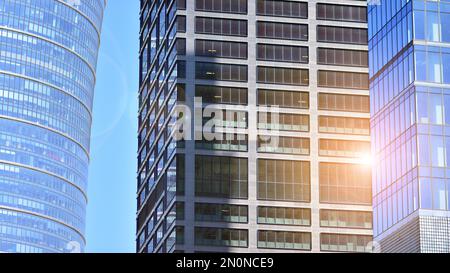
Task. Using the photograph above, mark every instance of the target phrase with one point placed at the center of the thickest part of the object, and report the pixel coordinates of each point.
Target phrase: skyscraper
(410, 101)
(293, 70)
(48, 56)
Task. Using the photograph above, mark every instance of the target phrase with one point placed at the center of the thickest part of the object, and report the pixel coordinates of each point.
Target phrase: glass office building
(410, 101)
(311, 191)
(48, 56)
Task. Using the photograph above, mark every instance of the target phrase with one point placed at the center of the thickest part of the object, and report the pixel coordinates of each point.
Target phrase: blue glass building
(48, 55)
(410, 102)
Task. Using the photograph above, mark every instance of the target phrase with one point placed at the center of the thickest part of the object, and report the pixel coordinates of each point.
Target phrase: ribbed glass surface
(48, 57)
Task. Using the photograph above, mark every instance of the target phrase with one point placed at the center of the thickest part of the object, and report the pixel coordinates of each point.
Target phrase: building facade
(410, 101)
(293, 70)
(48, 57)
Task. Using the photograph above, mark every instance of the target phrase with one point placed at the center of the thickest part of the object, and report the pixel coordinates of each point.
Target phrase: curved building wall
(48, 58)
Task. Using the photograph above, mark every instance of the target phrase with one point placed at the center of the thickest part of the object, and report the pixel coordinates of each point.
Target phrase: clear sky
(111, 211)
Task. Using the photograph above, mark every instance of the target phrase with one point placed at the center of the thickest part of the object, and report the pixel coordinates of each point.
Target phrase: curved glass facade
(48, 58)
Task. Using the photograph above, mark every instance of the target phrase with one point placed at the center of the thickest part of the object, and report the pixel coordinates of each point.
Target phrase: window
(284, 240)
(222, 95)
(171, 241)
(283, 122)
(181, 23)
(221, 237)
(341, 13)
(229, 119)
(286, 31)
(229, 142)
(220, 72)
(344, 148)
(222, 49)
(284, 145)
(341, 102)
(284, 216)
(292, 9)
(343, 57)
(345, 184)
(346, 80)
(346, 219)
(284, 180)
(225, 6)
(279, 75)
(222, 177)
(431, 151)
(285, 99)
(218, 26)
(345, 243)
(343, 35)
(344, 125)
(434, 194)
(282, 53)
(221, 213)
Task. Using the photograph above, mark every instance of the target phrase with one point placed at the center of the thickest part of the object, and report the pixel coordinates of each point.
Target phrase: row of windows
(207, 48)
(273, 30)
(284, 216)
(220, 118)
(222, 95)
(281, 240)
(345, 243)
(346, 219)
(342, 102)
(434, 194)
(345, 183)
(284, 240)
(289, 145)
(225, 6)
(431, 25)
(345, 57)
(341, 13)
(284, 180)
(221, 237)
(282, 53)
(221, 213)
(283, 122)
(279, 75)
(291, 9)
(344, 148)
(225, 177)
(218, 26)
(432, 64)
(294, 122)
(344, 125)
(345, 35)
(266, 52)
(206, 212)
(221, 72)
(228, 142)
(339, 79)
(284, 145)
(286, 99)
(433, 107)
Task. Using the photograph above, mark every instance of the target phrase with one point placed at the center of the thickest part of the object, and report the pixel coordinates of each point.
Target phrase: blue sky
(111, 211)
